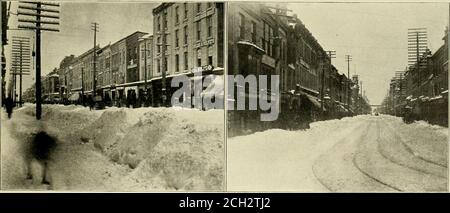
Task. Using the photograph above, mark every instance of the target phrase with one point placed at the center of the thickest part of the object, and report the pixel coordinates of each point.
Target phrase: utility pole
(94, 79)
(331, 54)
(38, 10)
(21, 62)
(417, 46)
(348, 58)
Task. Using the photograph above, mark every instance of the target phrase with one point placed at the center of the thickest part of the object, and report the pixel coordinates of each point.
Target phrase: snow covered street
(118, 149)
(363, 153)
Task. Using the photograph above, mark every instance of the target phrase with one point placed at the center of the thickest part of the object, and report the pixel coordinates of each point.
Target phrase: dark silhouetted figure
(9, 104)
(91, 103)
(42, 146)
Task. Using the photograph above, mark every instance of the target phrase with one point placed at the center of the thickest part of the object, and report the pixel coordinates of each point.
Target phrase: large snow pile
(281, 160)
(60, 120)
(427, 141)
(164, 148)
(182, 147)
(361, 153)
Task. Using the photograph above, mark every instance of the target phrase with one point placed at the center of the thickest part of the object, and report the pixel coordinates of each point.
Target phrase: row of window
(266, 39)
(198, 28)
(177, 62)
(177, 14)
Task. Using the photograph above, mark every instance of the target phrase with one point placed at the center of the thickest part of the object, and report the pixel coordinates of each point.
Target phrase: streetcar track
(364, 172)
(388, 159)
(410, 150)
(353, 155)
(321, 156)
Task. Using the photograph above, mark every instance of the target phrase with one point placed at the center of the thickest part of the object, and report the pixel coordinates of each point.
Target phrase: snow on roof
(53, 75)
(251, 44)
(436, 97)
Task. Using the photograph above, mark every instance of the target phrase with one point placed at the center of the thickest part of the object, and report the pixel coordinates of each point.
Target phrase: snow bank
(165, 148)
(61, 120)
(182, 147)
(281, 160)
(427, 141)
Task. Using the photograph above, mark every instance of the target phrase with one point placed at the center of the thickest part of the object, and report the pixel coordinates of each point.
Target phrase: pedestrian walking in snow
(42, 145)
(9, 104)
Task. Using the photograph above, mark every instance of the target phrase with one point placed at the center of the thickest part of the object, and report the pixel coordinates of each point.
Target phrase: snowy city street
(365, 153)
(217, 96)
(117, 149)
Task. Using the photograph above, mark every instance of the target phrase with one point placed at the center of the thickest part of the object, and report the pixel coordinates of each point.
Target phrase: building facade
(192, 38)
(264, 40)
(422, 92)
(188, 38)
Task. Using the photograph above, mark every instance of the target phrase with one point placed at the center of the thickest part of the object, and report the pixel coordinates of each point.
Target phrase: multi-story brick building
(146, 57)
(50, 87)
(440, 68)
(193, 35)
(82, 73)
(132, 56)
(426, 95)
(65, 75)
(308, 57)
(264, 40)
(118, 68)
(104, 67)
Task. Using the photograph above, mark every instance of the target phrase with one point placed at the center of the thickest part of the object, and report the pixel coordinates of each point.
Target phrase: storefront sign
(268, 61)
(203, 68)
(204, 43)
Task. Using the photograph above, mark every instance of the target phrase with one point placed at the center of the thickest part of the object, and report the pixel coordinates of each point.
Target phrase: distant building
(104, 67)
(65, 75)
(82, 72)
(146, 59)
(50, 87)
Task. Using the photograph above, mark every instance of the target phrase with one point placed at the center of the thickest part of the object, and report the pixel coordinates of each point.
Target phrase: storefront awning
(74, 97)
(342, 108)
(313, 100)
(250, 44)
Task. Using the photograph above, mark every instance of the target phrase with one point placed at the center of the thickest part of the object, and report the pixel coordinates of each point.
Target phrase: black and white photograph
(217, 97)
(112, 96)
(337, 97)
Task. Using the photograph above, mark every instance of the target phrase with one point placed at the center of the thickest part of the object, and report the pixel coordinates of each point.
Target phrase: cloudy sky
(375, 34)
(116, 20)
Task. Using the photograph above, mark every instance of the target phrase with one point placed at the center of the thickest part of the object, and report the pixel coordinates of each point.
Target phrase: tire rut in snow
(423, 140)
(336, 170)
(370, 161)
